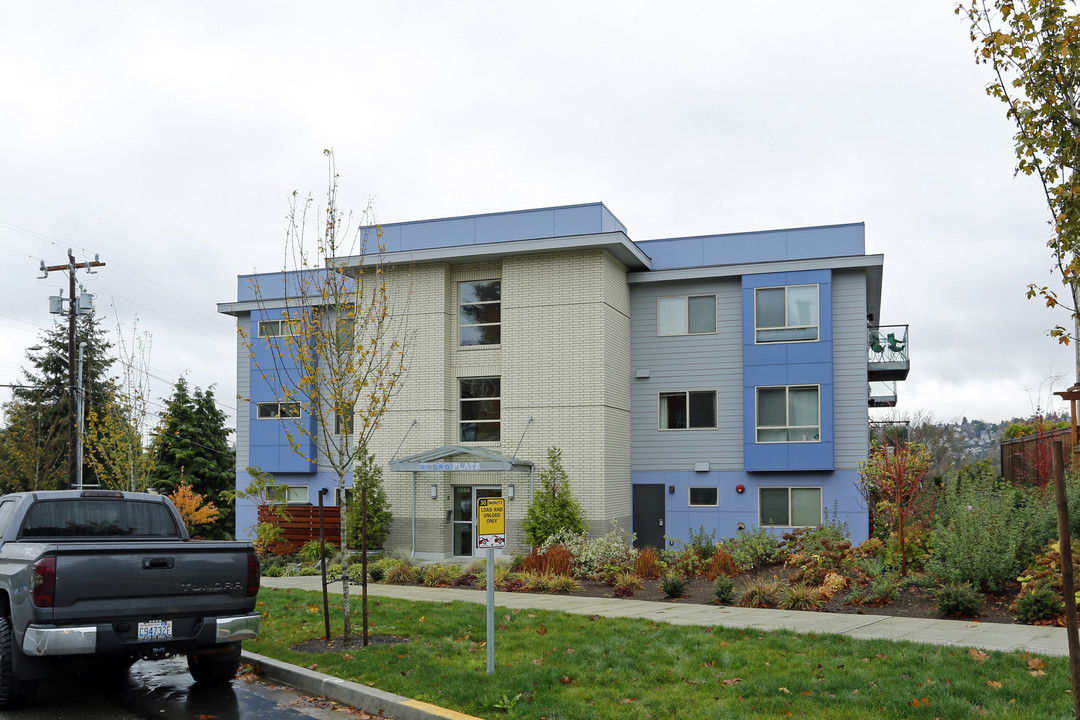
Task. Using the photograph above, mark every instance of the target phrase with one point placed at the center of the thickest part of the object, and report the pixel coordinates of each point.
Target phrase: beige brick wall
(563, 362)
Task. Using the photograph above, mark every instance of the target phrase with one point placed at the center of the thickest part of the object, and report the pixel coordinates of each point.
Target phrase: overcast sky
(166, 137)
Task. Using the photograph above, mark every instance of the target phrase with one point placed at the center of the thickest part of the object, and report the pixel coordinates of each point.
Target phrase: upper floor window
(788, 414)
(481, 414)
(789, 507)
(277, 410)
(277, 328)
(688, 410)
(688, 315)
(786, 314)
(480, 312)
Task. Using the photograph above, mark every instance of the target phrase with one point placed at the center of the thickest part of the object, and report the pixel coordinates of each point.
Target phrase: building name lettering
(450, 466)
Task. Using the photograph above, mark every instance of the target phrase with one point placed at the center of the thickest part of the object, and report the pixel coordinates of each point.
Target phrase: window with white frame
(687, 315)
(786, 314)
(704, 497)
(480, 312)
(687, 410)
(277, 410)
(789, 414)
(480, 409)
(789, 506)
(287, 494)
(277, 328)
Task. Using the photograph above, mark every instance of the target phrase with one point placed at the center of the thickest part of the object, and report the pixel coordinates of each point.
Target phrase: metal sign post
(490, 534)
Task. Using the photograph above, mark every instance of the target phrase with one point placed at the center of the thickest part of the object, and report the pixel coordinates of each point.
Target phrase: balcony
(890, 432)
(888, 347)
(882, 393)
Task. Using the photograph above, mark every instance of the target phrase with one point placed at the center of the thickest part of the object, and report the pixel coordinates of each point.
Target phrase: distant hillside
(974, 440)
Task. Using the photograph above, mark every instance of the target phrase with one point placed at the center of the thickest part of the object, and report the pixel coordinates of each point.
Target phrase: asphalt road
(164, 690)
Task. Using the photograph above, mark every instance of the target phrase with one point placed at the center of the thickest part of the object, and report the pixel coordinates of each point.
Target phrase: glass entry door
(465, 497)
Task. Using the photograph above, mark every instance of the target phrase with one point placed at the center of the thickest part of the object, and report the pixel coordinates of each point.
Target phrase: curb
(362, 697)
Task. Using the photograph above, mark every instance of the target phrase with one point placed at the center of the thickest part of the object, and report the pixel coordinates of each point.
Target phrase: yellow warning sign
(490, 522)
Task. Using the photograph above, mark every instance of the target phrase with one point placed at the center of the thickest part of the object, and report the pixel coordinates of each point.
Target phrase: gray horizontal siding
(691, 362)
(849, 369)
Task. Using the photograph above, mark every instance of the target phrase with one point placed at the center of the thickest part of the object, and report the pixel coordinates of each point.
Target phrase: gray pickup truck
(113, 577)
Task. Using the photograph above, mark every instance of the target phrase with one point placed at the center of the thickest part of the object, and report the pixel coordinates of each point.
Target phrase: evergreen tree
(191, 445)
(35, 442)
(553, 508)
(368, 475)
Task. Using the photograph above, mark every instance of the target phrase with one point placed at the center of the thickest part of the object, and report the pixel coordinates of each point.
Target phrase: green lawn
(568, 667)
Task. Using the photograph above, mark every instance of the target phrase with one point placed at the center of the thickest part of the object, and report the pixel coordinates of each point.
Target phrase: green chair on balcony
(897, 346)
(875, 343)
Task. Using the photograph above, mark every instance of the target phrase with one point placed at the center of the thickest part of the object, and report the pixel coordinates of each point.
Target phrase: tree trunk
(347, 627)
(363, 558)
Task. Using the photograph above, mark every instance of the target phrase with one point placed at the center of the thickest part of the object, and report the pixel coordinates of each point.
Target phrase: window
(277, 328)
(480, 312)
(704, 497)
(480, 409)
(686, 315)
(688, 410)
(789, 507)
(287, 494)
(343, 423)
(99, 518)
(277, 410)
(786, 314)
(788, 414)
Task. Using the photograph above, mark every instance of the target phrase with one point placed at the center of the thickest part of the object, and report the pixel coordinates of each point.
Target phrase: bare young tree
(339, 354)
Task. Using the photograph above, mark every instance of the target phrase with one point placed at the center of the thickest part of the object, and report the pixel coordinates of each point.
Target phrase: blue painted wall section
(790, 363)
(270, 449)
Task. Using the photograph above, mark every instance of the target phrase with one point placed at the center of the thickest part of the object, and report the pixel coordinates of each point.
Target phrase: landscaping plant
(894, 477)
(958, 600)
(553, 507)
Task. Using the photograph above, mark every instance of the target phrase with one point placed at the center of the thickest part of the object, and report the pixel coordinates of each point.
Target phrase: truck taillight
(252, 575)
(43, 583)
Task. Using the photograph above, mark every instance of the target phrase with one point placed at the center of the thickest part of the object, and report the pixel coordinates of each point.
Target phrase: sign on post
(491, 523)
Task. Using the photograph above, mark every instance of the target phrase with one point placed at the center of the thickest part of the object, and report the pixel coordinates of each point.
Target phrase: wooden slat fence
(302, 526)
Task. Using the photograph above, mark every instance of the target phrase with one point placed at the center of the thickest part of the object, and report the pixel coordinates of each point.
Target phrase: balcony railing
(888, 348)
(882, 393)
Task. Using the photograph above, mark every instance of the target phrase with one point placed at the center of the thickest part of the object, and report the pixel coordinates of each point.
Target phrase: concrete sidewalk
(985, 636)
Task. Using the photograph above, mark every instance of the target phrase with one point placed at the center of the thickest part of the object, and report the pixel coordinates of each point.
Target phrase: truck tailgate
(113, 581)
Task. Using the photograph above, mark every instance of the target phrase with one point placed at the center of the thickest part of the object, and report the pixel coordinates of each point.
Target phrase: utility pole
(76, 305)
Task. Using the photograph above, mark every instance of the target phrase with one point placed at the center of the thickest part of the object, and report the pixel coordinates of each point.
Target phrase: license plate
(155, 630)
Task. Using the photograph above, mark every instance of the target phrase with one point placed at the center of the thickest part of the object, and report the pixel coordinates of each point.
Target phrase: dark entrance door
(649, 516)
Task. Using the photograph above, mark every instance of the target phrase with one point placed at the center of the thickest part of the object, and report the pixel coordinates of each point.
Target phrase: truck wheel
(13, 692)
(215, 666)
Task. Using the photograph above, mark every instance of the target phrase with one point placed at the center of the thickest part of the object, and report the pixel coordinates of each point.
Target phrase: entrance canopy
(458, 458)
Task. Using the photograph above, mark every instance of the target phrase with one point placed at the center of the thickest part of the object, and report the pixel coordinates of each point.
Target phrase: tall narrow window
(480, 416)
(687, 410)
(786, 314)
(480, 312)
(788, 414)
(688, 315)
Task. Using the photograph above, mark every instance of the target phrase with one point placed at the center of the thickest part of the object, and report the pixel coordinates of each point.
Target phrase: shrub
(754, 549)
(958, 600)
(273, 571)
(376, 572)
(502, 573)
(721, 563)
(724, 589)
(625, 584)
(368, 474)
(647, 564)
(311, 551)
(760, 593)
(439, 575)
(674, 586)
(703, 542)
(882, 590)
(687, 563)
(1039, 604)
(800, 597)
(832, 583)
(614, 548)
(553, 507)
(333, 572)
(562, 584)
(400, 574)
(979, 531)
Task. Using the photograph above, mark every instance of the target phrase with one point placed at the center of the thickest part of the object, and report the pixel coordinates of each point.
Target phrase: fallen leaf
(541, 630)
(627, 701)
(978, 655)
(423, 618)
(1036, 663)
(538, 661)
(567, 679)
(347, 656)
(1038, 673)
(732, 681)
(312, 666)
(807, 692)
(570, 651)
(994, 683)
(785, 691)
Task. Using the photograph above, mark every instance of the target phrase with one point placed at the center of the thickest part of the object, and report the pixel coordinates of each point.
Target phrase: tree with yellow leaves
(194, 508)
(335, 354)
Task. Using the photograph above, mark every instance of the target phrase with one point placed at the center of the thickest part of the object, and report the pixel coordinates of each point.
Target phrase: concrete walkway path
(985, 636)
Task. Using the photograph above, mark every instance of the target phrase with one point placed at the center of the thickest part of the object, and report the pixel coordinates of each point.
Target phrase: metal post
(80, 422)
(490, 611)
(322, 554)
